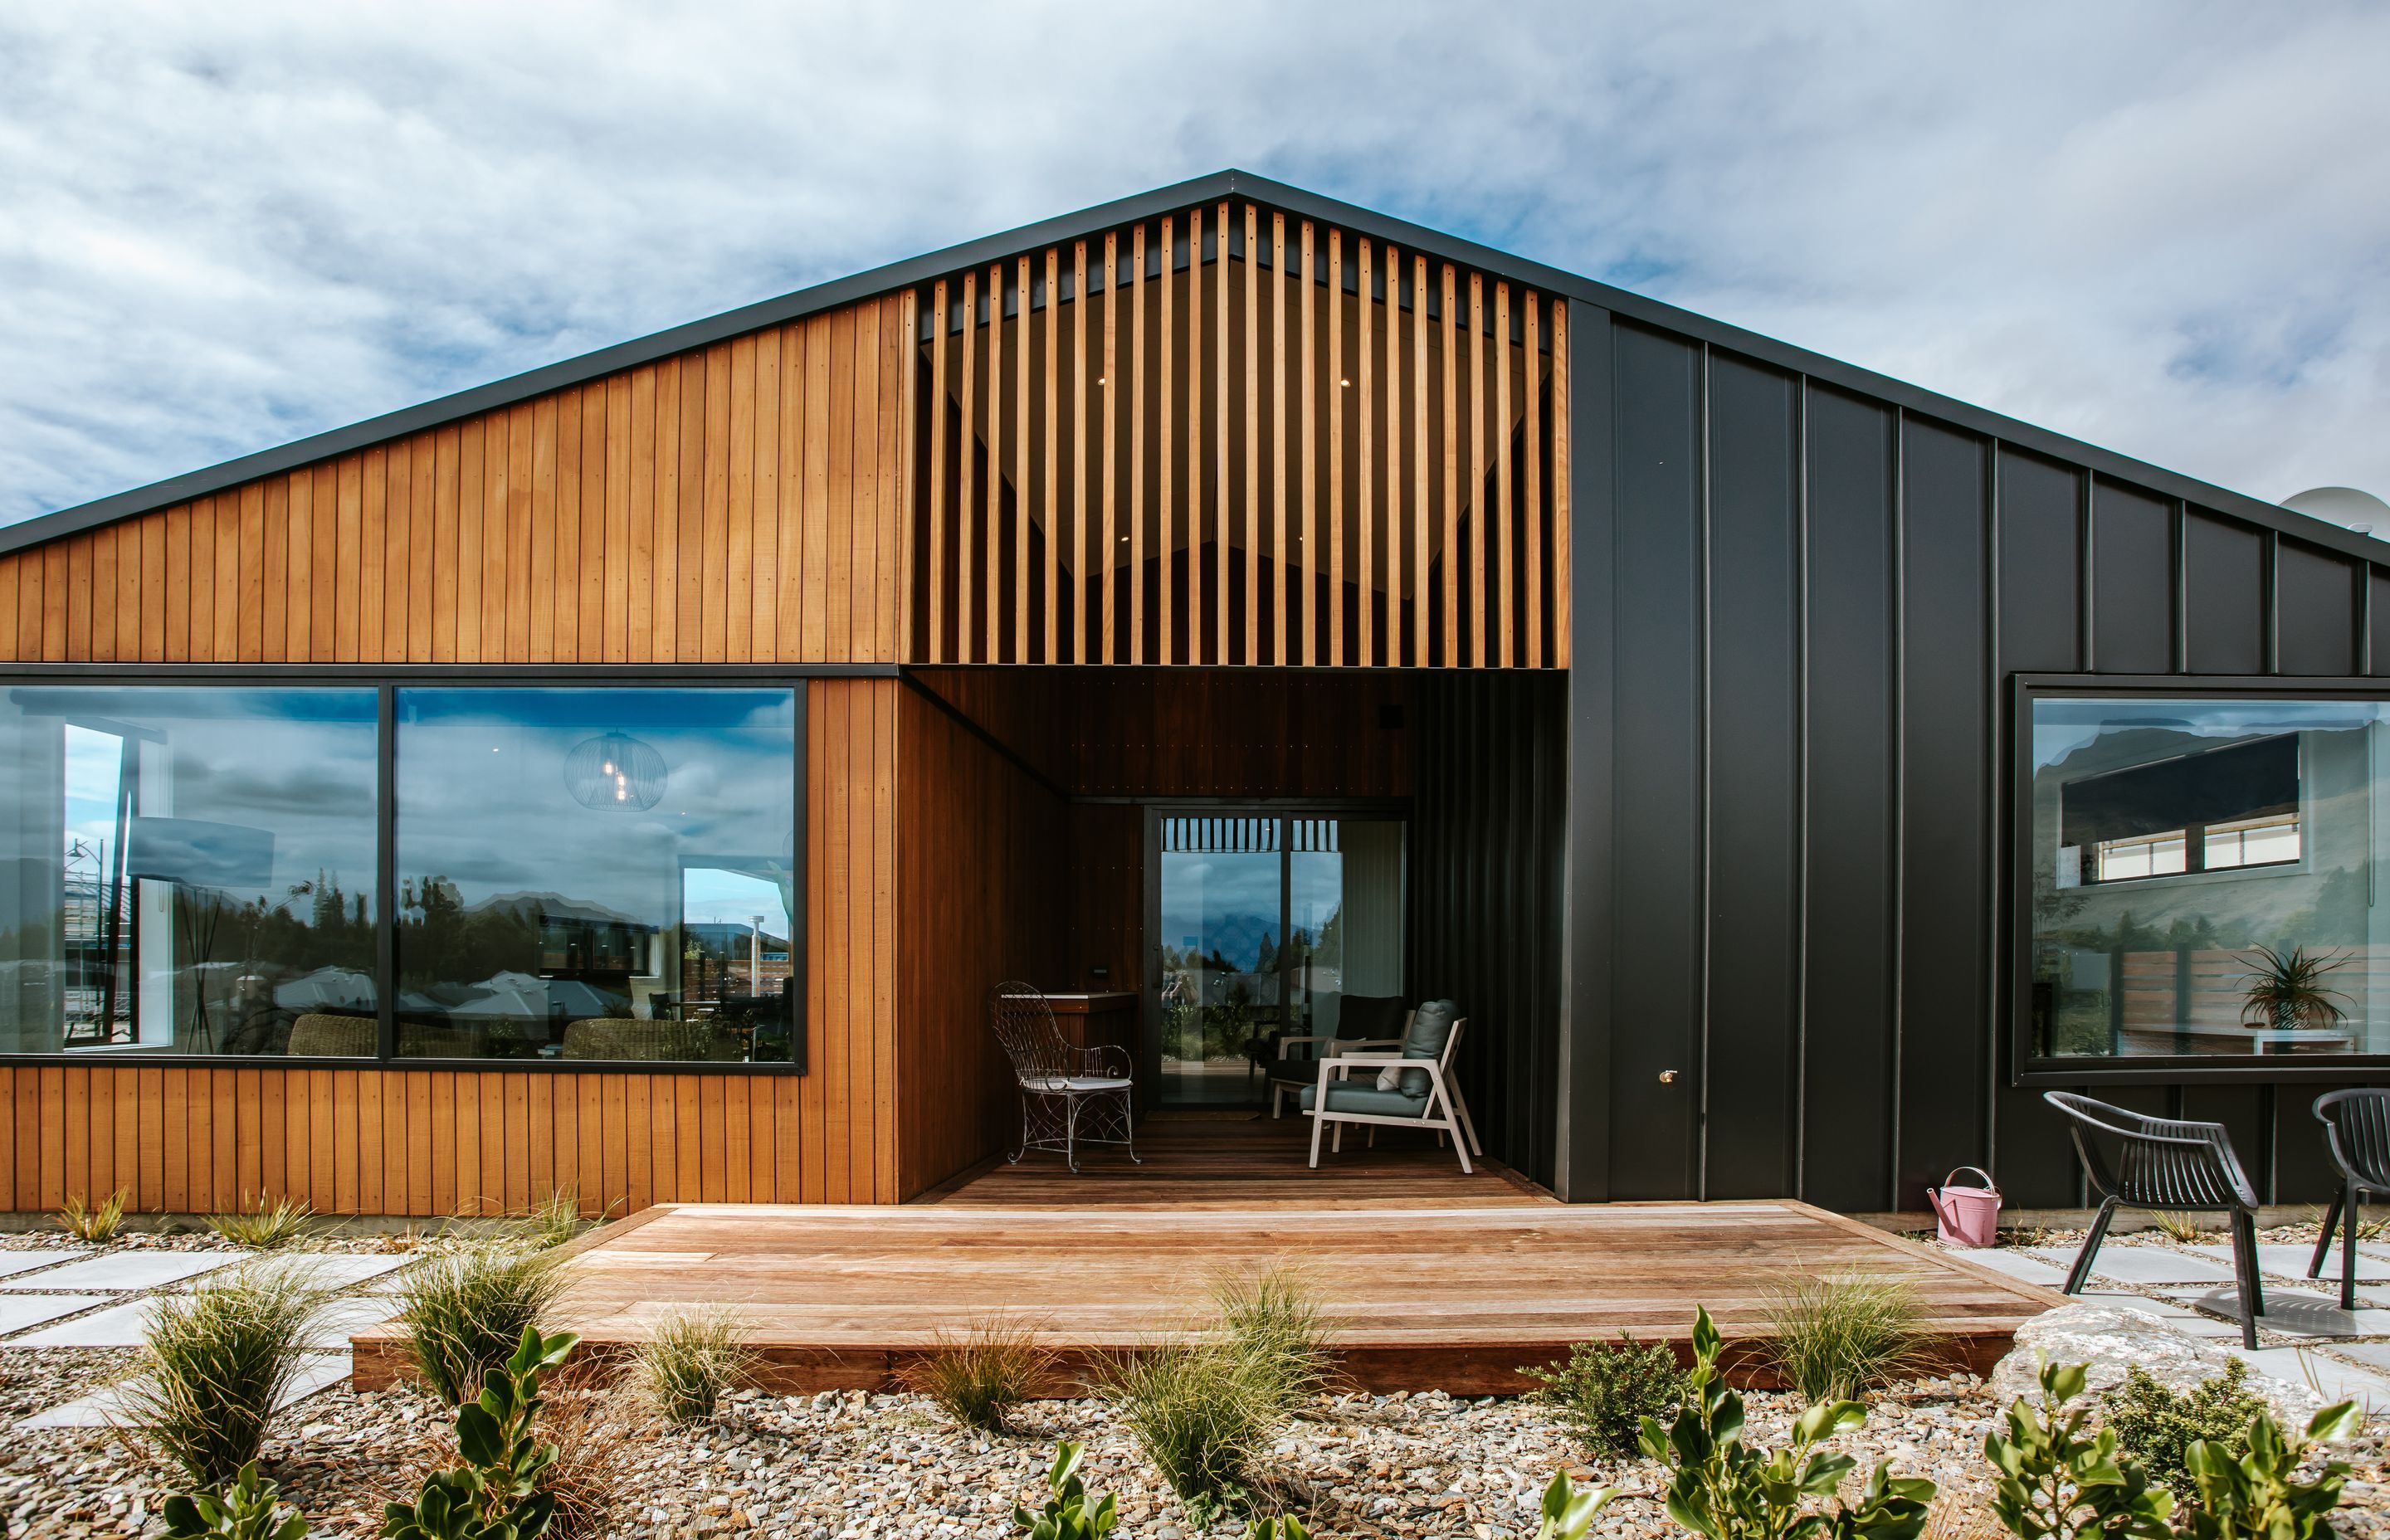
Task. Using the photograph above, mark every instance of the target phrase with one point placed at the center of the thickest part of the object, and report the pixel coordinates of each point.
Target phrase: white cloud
(2160, 227)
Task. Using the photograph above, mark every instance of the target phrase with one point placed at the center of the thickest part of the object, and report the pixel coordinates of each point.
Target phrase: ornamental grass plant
(214, 1366)
(464, 1311)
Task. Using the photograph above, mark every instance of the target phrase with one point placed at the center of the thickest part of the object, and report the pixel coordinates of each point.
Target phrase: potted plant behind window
(2286, 989)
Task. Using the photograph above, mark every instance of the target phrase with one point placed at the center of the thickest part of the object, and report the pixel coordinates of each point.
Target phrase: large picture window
(188, 870)
(541, 875)
(2204, 878)
(601, 874)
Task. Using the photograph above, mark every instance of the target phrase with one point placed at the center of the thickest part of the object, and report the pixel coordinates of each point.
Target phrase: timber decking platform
(1447, 1283)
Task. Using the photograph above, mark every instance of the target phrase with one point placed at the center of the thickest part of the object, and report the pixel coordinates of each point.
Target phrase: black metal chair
(2356, 1130)
(2169, 1165)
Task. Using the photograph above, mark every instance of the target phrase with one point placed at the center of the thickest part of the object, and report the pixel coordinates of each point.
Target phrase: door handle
(1667, 1077)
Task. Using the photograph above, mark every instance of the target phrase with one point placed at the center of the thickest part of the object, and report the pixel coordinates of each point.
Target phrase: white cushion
(1057, 1084)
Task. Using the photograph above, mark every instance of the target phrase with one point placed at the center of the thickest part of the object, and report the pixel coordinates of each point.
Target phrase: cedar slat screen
(1235, 436)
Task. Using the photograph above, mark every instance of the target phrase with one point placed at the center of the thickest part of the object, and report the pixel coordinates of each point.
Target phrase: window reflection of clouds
(502, 823)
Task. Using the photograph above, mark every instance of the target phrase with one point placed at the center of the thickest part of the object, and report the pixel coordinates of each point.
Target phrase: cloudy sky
(2161, 228)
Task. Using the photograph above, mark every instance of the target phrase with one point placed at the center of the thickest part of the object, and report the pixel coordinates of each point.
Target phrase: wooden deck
(1435, 1280)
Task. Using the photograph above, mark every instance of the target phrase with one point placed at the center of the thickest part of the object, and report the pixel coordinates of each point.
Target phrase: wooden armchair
(1424, 1093)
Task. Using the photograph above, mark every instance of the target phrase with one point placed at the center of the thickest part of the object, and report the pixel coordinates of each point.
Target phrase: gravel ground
(831, 1467)
(827, 1467)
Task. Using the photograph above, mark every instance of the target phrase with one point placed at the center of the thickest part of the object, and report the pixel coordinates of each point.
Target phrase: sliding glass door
(1267, 923)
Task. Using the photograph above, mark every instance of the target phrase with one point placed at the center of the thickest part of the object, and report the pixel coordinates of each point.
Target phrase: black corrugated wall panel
(1794, 767)
(1485, 882)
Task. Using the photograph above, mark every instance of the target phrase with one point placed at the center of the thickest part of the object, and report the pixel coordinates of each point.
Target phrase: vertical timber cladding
(1792, 797)
(735, 504)
(1235, 436)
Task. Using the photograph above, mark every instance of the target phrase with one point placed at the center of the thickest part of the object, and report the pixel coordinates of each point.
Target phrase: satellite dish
(2347, 506)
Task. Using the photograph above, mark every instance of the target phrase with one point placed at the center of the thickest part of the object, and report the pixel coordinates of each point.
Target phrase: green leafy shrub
(1604, 1392)
(1723, 1489)
(691, 1360)
(214, 1365)
(1837, 1336)
(2258, 1494)
(1276, 1323)
(978, 1375)
(463, 1312)
(96, 1224)
(1065, 1515)
(268, 1225)
(249, 1509)
(2158, 1427)
(2057, 1483)
(496, 1492)
(1276, 1526)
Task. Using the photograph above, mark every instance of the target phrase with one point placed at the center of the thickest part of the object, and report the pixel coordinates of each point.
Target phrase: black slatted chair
(2357, 1129)
(2138, 1161)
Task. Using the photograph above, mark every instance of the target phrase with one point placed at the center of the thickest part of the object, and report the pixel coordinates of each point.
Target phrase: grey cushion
(1363, 1096)
(1431, 1029)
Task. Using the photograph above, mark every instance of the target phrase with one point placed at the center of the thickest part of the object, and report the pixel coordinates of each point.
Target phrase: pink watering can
(1968, 1216)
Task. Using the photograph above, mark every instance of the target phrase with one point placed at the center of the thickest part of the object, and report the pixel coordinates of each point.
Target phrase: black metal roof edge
(1223, 184)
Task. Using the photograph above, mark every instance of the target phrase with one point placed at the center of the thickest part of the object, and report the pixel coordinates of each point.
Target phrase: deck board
(1434, 1281)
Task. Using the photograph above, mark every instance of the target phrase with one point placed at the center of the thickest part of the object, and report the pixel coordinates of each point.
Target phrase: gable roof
(1232, 183)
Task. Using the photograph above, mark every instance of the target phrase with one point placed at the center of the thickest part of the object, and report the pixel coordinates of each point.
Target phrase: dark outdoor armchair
(2356, 1130)
(2138, 1161)
(1069, 1096)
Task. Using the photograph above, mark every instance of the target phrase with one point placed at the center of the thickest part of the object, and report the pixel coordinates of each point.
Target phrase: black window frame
(386, 680)
(2027, 1066)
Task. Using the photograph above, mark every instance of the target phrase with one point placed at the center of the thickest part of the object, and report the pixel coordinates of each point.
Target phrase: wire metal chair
(1069, 1096)
(2170, 1165)
(2356, 1130)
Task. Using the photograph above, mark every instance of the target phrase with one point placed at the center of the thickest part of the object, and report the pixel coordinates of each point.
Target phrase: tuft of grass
(1273, 1321)
(267, 1226)
(2367, 1230)
(214, 1364)
(2181, 1228)
(978, 1375)
(1197, 1410)
(554, 1219)
(96, 1224)
(1603, 1392)
(1837, 1336)
(464, 1311)
(692, 1360)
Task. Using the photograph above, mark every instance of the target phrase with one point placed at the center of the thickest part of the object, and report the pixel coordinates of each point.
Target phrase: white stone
(14, 1262)
(2108, 1339)
(128, 1271)
(20, 1311)
(103, 1408)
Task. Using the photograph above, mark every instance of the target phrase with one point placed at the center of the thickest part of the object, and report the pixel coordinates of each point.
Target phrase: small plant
(2158, 1427)
(1568, 1513)
(1723, 1489)
(2286, 989)
(2258, 1494)
(1197, 1410)
(1276, 1526)
(1275, 1322)
(1841, 1335)
(978, 1377)
(215, 1366)
(2181, 1228)
(554, 1220)
(267, 1226)
(2056, 1482)
(691, 1359)
(464, 1311)
(1603, 1392)
(98, 1224)
(1065, 1515)
(496, 1493)
(249, 1509)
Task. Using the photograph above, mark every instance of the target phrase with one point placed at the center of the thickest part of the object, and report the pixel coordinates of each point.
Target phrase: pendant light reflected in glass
(615, 772)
